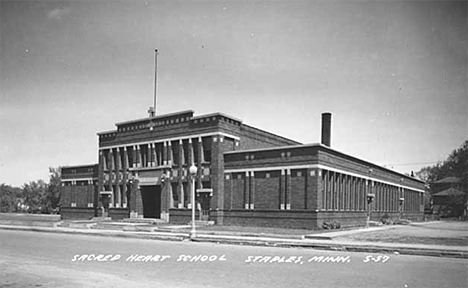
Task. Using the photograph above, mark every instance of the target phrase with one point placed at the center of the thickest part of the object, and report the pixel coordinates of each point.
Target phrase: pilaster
(199, 163)
(134, 156)
(247, 190)
(282, 191)
(170, 156)
(139, 160)
(180, 187)
(125, 176)
(164, 156)
(288, 190)
(252, 190)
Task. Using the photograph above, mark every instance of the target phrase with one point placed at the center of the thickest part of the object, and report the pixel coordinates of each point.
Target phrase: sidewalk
(337, 241)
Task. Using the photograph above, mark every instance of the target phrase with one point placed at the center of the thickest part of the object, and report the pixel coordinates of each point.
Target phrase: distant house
(447, 193)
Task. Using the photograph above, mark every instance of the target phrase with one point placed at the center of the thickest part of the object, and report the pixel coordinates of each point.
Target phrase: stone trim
(173, 139)
(320, 166)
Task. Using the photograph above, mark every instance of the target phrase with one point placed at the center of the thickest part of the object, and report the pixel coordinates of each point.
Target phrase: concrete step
(143, 220)
(202, 223)
(124, 226)
(100, 219)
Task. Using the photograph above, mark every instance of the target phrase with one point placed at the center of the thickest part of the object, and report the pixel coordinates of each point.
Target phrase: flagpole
(155, 78)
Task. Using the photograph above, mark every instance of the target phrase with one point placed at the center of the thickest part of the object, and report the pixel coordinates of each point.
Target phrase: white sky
(392, 73)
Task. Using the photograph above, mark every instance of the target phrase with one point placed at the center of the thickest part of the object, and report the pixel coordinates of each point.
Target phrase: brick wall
(297, 219)
(76, 213)
(253, 138)
(119, 213)
(81, 195)
(298, 188)
(267, 190)
(180, 216)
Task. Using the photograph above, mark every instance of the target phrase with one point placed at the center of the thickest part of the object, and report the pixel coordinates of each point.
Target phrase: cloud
(58, 13)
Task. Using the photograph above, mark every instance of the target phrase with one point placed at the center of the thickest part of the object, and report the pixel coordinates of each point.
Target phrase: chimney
(326, 129)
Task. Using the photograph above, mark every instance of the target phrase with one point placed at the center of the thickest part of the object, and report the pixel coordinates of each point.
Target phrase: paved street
(33, 259)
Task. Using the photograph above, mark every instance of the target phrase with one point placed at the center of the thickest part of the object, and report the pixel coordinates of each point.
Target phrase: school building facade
(244, 176)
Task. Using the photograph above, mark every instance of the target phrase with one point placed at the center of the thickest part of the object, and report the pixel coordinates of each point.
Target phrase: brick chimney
(326, 129)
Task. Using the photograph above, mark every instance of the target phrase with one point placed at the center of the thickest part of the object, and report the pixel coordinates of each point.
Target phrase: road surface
(34, 259)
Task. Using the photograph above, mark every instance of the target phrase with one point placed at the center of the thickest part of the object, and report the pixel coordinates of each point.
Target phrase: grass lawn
(441, 233)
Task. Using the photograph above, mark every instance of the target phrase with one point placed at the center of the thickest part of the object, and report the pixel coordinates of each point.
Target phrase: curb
(337, 247)
(104, 233)
(251, 241)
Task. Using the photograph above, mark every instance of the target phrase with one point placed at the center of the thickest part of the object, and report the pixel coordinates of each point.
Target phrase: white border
(319, 166)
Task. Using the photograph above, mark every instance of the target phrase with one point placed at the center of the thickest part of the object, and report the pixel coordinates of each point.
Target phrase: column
(170, 156)
(139, 163)
(110, 161)
(189, 188)
(169, 191)
(199, 163)
(155, 155)
(164, 156)
(100, 186)
(149, 153)
(103, 159)
(288, 190)
(118, 162)
(124, 177)
(326, 187)
(190, 156)
(282, 189)
(246, 190)
(134, 156)
(202, 152)
(331, 198)
(112, 176)
(252, 190)
(190, 161)
(180, 186)
(117, 178)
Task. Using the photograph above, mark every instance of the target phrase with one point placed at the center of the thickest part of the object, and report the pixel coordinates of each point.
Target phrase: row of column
(153, 155)
(349, 193)
(119, 195)
(196, 157)
(414, 201)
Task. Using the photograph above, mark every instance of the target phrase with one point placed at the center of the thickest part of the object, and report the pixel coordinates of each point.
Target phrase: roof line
(328, 148)
(155, 117)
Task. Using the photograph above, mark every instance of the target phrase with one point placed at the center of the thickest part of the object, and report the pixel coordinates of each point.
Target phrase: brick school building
(244, 176)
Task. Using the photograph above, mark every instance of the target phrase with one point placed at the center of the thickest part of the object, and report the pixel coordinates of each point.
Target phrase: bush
(386, 220)
(331, 225)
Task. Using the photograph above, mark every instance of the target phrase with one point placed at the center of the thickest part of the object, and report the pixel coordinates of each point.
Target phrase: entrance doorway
(204, 201)
(151, 198)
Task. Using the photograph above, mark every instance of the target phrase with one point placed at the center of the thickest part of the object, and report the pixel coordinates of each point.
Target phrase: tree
(54, 188)
(9, 197)
(456, 165)
(35, 196)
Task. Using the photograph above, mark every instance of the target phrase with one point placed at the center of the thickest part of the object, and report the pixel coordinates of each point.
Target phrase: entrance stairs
(202, 223)
(131, 224)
